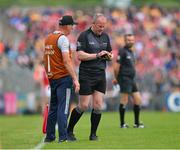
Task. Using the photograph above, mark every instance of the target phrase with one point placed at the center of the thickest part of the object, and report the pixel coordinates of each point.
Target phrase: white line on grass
(40, 145)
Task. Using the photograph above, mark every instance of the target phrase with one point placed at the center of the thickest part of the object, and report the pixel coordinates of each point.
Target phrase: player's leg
(122, 109)
(137, 102)
(52, 115)
(64, 90)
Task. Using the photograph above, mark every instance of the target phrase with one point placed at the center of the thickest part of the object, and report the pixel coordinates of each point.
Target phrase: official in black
(125, 73)
(94, 49)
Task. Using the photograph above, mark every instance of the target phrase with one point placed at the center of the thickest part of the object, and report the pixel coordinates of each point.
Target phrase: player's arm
(63, 44)
(69, 66)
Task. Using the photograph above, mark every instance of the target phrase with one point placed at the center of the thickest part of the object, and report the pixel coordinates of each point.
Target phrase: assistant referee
(125, 73)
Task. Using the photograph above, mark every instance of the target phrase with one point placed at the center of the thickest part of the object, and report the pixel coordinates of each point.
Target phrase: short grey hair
(96, 16)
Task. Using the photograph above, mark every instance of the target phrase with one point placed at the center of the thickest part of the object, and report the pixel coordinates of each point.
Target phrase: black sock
(122, 113)
(95, 119)
(75, 116)
(136, 114)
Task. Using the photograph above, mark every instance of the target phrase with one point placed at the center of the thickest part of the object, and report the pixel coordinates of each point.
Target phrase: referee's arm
(117, 64)
(116, 67)
(83, 56)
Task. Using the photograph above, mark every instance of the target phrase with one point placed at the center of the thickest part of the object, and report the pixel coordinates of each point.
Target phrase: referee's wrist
(97, 56)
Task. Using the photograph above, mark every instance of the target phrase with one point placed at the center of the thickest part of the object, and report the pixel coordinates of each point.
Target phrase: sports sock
(75, 116)
(95, 119)
(136, 114)
(122, 109)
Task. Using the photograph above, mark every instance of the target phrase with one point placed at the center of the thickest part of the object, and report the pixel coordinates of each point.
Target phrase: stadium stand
(157, 47)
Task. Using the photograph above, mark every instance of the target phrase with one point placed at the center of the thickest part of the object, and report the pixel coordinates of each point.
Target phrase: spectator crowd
(157, 32)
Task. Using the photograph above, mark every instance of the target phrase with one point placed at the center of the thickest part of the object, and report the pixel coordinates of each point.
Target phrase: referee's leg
(76, 114)
(122, 109)
(137, 102)
(96, 114)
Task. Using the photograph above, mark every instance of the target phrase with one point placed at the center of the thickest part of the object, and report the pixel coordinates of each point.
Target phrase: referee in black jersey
(125, 74)
(92, 47)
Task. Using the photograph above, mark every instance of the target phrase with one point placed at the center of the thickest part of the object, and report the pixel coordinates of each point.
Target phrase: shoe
(46, 140)
(61, 141)
(140, 125)
(71, 137)
(93, 137)
(124, 126)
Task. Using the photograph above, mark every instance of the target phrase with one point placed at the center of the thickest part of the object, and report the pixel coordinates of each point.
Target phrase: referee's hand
(76, 85)
(105, 55)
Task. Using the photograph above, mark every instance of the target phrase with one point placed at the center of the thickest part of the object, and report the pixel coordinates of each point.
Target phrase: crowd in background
(157, 32)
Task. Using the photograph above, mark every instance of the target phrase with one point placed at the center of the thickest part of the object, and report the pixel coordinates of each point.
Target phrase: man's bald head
(99, 23)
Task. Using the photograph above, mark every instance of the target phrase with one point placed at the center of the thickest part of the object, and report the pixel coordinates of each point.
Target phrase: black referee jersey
(91, 43)
(127, 61)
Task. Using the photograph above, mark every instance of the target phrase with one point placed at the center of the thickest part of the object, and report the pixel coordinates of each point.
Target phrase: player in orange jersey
(61, 75)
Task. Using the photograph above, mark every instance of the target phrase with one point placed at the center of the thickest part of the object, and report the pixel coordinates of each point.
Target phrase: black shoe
(124, 126)
(93, 137)
(140, 125)
(46, 140)
(71, 137)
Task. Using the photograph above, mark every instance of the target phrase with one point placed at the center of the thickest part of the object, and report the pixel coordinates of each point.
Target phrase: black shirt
(92, 43)
(127, 61)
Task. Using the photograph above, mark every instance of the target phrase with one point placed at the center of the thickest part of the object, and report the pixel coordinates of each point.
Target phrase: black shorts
(92, 80)
(127, 85)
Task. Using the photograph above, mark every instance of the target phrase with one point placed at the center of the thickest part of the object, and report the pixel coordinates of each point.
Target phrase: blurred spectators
(157, 33)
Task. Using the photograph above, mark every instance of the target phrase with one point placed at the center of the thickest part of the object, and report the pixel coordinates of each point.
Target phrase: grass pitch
(162, 131)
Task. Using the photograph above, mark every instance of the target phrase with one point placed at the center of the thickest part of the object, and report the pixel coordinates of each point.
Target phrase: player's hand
(76, 86)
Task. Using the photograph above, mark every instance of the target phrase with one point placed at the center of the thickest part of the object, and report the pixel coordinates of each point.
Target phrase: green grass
(162, 132)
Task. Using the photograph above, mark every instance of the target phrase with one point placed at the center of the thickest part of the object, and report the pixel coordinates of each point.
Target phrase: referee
(92, 45)
(125, 74)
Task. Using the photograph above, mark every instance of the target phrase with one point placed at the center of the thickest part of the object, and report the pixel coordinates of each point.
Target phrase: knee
(83, 106)
(124, 101)
(97, 105)
(137, 102)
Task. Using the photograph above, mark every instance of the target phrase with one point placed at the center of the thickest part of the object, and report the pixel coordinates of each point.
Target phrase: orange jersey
(53, 60)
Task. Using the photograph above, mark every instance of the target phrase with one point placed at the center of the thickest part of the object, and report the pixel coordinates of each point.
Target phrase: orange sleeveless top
(53, 60)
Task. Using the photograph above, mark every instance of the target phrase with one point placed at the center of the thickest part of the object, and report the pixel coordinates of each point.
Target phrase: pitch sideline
(40, 145)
